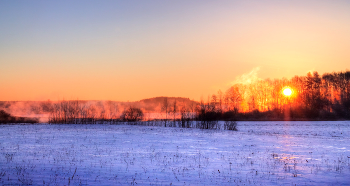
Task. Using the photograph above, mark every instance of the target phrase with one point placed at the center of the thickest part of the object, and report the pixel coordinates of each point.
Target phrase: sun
(287, 91)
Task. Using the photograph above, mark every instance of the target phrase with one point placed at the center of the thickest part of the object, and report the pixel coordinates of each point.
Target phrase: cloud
(247, 78)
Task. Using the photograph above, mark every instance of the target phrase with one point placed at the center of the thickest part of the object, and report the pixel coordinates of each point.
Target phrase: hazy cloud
(247, 78)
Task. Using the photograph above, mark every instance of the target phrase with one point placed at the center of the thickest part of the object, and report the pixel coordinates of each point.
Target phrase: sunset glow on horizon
(132, 50)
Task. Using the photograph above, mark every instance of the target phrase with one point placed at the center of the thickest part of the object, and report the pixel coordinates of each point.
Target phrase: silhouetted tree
(174, 110)
(220, 97)
(132, 114)
(165, 108)
(185, 118)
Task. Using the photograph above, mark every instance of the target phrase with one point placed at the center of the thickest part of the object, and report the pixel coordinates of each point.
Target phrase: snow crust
(260, 153)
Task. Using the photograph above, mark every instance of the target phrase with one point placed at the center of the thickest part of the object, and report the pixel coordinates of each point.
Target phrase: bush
(230, 125)
(5, 117)
(132, 114)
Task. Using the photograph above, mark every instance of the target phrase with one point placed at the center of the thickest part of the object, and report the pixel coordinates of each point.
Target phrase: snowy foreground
(260, 153)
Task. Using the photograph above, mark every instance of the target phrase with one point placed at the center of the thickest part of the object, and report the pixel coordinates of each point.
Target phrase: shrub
(132, 114)
(230, 125)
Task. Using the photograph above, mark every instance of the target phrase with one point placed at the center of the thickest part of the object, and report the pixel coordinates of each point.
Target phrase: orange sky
(124, 51)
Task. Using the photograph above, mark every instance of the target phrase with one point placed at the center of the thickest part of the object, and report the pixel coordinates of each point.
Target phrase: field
(259, 153)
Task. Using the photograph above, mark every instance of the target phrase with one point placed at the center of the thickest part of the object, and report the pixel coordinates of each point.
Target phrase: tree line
(81, 112)
(314, 97)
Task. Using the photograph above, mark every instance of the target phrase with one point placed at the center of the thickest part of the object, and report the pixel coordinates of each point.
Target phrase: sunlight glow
(287, 91)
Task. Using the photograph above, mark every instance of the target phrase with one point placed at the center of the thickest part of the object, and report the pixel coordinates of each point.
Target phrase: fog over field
(152, 107)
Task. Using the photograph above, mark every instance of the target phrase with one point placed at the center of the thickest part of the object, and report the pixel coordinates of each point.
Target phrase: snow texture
(260, 153)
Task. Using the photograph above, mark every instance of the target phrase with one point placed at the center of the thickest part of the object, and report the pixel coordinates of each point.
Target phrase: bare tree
(132, 114)
(220, 96)
(214, 101)
(174, 110)
(165, 108)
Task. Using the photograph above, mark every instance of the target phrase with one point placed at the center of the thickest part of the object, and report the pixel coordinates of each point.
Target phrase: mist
(43, 110)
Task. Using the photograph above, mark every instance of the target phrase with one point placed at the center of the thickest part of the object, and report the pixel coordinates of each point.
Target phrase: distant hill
(155, 104)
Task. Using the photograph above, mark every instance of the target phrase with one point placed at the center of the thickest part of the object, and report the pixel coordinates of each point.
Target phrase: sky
(131, 50)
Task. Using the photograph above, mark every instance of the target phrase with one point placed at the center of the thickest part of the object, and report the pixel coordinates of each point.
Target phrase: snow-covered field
(260, 153)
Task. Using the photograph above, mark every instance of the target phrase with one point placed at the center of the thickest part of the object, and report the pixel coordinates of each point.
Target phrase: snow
(260, 153)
